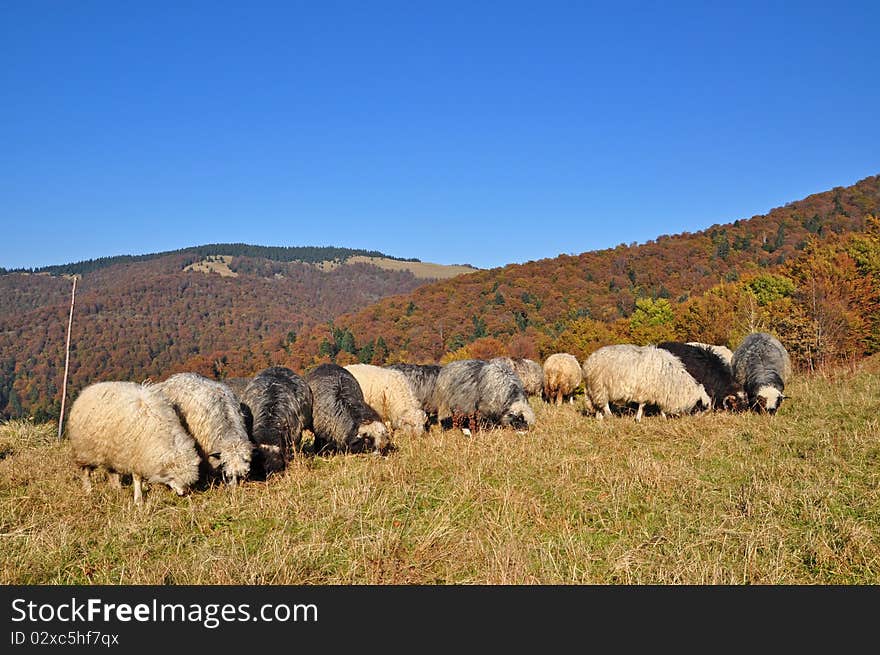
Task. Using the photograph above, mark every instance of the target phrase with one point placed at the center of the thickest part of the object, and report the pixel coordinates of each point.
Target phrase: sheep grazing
(562, 375)
(530, 373)
(646, 375)
(342, 419)
(390, 393)
(488, 393)
(709, 369)
(762, 366)
(131, 428)
(422, 379)
(211, 413)
(723, 352)
(280, 402)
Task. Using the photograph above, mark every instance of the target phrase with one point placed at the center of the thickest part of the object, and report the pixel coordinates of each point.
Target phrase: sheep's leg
(662, 413)
(558, 398)
(87, 478)
(607, 410)
(138, 493)
(639, 413)
(115, 480)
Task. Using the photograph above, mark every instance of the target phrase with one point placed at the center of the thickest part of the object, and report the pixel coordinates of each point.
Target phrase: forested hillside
(143, 319)
(807, 271)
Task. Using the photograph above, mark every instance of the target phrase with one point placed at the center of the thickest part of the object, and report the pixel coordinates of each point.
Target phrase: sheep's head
(736, 402)
(519, 416)
(236, 462)
(269, 458)
(768, 399)
(372, 436)
(704, 402)
(181, 468)
(412, 422)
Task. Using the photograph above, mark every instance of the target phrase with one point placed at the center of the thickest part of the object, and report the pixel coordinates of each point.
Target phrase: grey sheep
(762, 366)
(422, 379)
(530, 373)
(280, 402)
(211, 413)
(487, 391)
(129, 428)
(342, 420)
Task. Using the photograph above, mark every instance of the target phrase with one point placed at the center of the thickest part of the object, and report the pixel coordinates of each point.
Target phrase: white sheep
(130, 428)
(389, 392)
(646, 375)
(562, 375)
(211, 413)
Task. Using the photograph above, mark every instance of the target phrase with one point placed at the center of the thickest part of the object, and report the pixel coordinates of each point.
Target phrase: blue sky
(473, 132)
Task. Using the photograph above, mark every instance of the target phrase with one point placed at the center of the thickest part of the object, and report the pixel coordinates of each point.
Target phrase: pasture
(723, 498)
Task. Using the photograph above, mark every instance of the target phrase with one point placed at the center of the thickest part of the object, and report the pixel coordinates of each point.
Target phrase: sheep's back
(126, 427)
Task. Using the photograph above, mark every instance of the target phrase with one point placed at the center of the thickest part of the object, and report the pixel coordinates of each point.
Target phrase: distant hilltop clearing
(220, 264)
(214, 256)
(422, 270)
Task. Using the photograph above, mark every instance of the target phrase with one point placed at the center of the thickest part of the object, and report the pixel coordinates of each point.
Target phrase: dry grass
(421, 270)
(214, 264)
(792, 499)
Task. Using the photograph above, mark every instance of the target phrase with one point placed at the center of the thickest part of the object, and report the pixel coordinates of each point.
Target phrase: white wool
(562, 375)
(390, 394)
(130, 428)
(641, 374)
(212, 416)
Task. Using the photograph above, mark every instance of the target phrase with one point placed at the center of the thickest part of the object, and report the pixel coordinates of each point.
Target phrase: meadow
(712, 499)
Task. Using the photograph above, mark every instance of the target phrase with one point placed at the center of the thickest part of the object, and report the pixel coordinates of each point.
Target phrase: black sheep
(710, 370)
(342, 420)
(280, 404)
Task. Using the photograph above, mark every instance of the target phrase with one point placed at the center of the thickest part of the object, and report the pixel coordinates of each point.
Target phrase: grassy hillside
(790, 499)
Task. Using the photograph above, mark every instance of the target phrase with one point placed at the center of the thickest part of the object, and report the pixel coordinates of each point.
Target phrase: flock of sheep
(189, 426)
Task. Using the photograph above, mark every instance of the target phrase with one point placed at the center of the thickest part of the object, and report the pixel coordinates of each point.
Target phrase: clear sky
(455, 132)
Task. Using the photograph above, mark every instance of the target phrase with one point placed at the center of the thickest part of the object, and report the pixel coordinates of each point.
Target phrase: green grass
(734, 499)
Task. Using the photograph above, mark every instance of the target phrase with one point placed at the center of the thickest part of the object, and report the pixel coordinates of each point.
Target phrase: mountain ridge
(305, 254)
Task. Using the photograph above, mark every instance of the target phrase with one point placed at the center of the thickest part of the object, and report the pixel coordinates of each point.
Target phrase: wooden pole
(66, 359)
